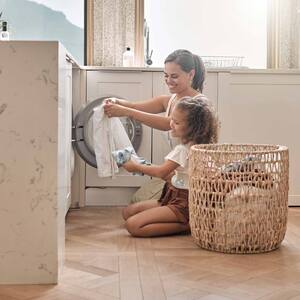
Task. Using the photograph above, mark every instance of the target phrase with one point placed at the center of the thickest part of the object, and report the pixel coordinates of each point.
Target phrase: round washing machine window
(83, 131)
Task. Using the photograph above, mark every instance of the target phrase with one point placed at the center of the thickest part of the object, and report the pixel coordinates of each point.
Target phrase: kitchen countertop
(210, 70)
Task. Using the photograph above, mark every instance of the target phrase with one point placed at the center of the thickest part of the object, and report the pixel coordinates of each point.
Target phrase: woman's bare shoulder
(163, 99)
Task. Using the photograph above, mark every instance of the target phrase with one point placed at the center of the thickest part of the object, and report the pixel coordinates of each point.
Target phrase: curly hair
(202, 122)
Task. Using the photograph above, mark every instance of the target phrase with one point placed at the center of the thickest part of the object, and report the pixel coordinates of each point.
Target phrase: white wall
(209, 27)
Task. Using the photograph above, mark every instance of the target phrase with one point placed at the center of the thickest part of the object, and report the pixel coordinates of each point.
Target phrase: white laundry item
(109, 135)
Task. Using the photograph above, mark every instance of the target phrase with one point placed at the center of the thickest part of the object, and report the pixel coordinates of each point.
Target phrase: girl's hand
(114, 110)
(168, 177)
(130, 166)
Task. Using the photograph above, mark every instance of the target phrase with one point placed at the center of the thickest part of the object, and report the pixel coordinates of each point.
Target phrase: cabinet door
(263, 108)
(160, 145)
(132, 86)
(210, 89)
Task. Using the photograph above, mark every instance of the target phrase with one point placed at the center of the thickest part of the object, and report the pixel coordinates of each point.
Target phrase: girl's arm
(144, 112)
(161, 171)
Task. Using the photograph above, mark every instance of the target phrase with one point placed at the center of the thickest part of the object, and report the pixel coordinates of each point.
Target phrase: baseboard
(109, 196)
(294, 200)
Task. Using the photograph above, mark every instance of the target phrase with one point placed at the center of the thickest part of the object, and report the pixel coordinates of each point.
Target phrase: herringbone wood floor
(104, 263)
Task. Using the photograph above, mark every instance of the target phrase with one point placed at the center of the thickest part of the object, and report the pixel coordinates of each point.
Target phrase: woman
(184, 76)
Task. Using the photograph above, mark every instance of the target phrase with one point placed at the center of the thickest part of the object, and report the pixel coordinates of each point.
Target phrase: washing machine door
(82, 134)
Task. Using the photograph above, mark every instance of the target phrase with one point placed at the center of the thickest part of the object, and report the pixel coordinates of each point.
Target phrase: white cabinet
(253, 106)
(262, 108)
(133, 86)
(210, 89)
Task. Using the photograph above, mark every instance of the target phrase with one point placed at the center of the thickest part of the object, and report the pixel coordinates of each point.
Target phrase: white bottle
(128, 58)
(4, 34)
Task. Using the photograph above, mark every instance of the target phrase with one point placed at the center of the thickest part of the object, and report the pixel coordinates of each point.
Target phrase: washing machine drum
(83, 132)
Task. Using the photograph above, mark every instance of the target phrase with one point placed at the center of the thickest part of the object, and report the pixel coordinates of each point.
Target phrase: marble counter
(33, 154)
(241, 70)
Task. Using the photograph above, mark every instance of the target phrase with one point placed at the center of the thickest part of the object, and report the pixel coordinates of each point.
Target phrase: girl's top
(180, 155)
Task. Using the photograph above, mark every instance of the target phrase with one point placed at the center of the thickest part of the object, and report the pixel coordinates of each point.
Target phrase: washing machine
(99, 84)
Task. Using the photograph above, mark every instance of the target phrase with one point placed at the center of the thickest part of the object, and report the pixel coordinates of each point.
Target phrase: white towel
(109, 135)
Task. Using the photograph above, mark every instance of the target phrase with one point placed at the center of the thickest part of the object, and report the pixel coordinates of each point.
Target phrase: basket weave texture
(238, 196)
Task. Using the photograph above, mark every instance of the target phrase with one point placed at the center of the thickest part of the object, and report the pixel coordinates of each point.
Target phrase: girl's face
(176, 79)
(178, 123)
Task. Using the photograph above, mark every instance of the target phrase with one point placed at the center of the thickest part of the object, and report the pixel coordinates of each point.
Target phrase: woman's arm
(144, 111)
(155, 105)
(152, 120)
(161, 171)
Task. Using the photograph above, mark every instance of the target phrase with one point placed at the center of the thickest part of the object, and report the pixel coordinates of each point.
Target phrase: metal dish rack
(222, 61)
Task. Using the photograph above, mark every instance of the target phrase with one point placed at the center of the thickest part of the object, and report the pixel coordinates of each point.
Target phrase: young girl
(192, 121)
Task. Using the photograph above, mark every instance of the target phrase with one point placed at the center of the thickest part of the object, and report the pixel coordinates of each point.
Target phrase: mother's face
(176, 79)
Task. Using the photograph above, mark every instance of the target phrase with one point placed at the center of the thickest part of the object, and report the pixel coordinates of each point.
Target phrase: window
(47, 20)
(209, 28)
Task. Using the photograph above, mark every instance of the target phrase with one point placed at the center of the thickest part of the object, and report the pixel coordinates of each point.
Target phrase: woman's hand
(112, 100)
(115, 110)
(130, 166)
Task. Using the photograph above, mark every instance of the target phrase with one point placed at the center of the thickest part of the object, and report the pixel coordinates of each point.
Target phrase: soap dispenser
(128, 58)
(4, 34)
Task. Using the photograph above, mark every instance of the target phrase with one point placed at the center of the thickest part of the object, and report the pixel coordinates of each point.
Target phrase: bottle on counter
(4, 34)
(128, 58)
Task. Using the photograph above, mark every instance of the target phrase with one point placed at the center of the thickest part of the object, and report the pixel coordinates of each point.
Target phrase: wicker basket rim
(204, 148)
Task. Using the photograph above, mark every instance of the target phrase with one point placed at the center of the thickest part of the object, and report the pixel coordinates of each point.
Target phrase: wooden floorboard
(103, 262)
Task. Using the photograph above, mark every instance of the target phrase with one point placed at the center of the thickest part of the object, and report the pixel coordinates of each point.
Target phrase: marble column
(32, 162)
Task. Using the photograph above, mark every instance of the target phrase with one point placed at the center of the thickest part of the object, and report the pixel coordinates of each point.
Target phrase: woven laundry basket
(238, 196)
